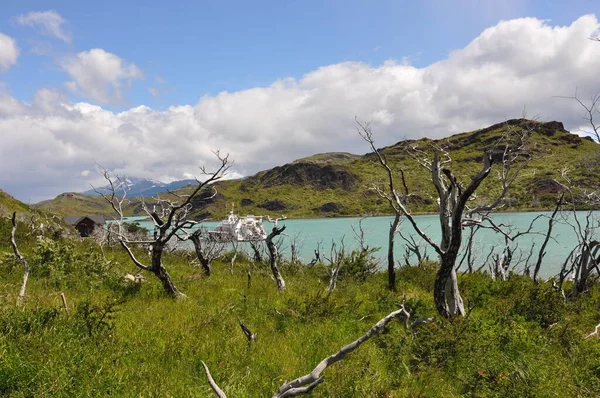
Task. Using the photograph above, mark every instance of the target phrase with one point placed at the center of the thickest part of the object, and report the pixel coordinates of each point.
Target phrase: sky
(150, 88)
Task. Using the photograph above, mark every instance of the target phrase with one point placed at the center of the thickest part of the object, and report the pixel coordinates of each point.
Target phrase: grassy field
(124, 339)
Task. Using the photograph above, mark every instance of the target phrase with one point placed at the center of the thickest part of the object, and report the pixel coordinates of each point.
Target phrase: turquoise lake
(326, 230)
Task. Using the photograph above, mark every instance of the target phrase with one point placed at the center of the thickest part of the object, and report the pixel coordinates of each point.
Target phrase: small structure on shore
(85, 225)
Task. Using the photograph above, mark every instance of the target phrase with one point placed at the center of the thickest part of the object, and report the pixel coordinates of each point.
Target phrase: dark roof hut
(86, 224)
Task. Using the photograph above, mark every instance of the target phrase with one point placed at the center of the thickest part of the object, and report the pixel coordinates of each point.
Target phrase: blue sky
(148, 89)
(188, 49)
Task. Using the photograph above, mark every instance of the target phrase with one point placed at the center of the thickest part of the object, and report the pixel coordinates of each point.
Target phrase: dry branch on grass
(305, 384)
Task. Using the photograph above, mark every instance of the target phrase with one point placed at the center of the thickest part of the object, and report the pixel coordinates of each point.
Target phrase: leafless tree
(206, 249)
(274, 252)
(257, 250)
(296, 244)
(317, 254)
(585, 258)
(336, 260)
(551, 222)
(18, 254)
(591, 110)
(396, 199)
(511, 154)
(413, 248)
(169, 215)
(469, 249)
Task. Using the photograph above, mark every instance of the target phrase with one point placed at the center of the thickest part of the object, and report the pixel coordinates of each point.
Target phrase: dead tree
(257, 248)
(453, 198)
(274, 252)
(170, 217)
(206, 249)
(412, 248)
(18, 254)
(591, 110)
(295, 248)
(336, 260)
(542, 253)
(468, 253)
(305, 384)
(395, 199)
(359, 235)
(317, 254)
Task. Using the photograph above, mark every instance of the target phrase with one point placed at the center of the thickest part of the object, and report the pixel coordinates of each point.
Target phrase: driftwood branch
(594, 333)
(306, 383)
(18, 254)
(212, 382)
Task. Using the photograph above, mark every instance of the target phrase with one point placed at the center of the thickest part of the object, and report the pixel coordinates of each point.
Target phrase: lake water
(326, 230)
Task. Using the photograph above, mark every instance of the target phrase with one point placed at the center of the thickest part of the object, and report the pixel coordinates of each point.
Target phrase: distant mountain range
(137, 187)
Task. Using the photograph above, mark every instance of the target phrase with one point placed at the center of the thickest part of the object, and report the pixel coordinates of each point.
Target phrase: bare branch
(310, 380)
(212, 382)
(18, 254)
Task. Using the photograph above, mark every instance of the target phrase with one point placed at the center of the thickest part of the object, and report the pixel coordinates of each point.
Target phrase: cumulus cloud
(99, 75)
(515, 64)
(9, 52)
(48, 23)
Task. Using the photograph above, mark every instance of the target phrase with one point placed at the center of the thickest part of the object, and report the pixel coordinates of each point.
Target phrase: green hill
(8, 205)
(338, 184)
(71, 203)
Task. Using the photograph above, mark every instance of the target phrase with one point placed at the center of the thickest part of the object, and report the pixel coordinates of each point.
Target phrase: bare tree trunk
(256, 249)
(204, 262)
(542, 253)
(273, 254)
(391, 262)
(18, 254)
(161, 272)
(446, 295)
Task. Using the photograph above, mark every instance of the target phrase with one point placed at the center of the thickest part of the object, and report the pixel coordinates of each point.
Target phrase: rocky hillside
(337, 184)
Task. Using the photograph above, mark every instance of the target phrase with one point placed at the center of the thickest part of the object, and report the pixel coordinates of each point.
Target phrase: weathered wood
(542, 252)
(305, 384)
(64, 301)
(18, 254)
(212, 382)
(273, 255)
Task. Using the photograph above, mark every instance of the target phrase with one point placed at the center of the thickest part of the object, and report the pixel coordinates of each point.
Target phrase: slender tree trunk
(391, 262)
(542, 253)
(273, 257)
(198, 249)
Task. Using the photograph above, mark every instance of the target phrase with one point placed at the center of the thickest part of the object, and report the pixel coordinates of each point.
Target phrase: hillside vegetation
(338, 184)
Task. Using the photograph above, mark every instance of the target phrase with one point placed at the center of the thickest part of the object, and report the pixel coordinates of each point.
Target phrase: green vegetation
(337, 184)
(127, 339)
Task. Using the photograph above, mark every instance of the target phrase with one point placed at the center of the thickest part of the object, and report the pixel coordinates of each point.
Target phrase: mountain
(339, 184)
(143, 187)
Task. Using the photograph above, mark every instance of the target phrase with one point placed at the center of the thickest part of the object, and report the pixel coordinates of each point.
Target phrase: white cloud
(9, 52)
(517, 63)
(99, 75)
(154, 92)
(48, 23)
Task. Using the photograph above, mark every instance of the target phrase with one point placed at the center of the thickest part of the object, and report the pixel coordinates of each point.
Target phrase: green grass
(519, 340)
